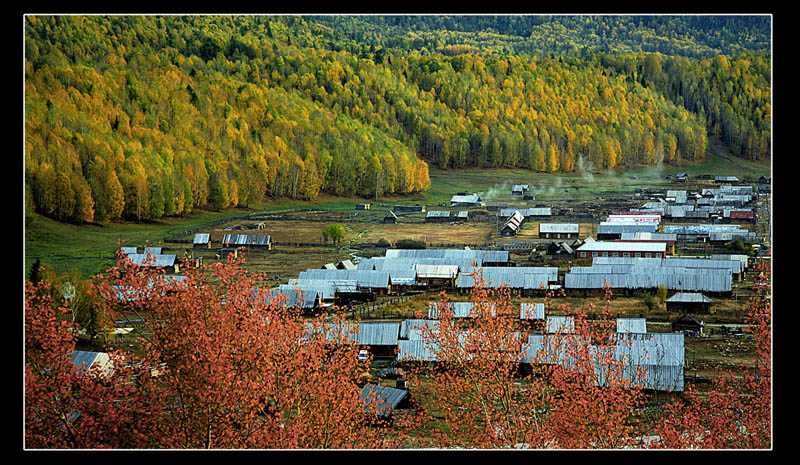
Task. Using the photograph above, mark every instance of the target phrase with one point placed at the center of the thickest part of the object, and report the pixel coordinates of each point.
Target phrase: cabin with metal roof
(631, 325)
(519, 189)
(84, 360)
(202, 240)
(469, 200)
(437, 216)
(688, 302)
(642, 279)
(369, 280)
(409, 208)
(482, 257)
(558, 230)
(457, 309)
(526, 278)
(436, 275)
(307, 299)
(512, 225)
(667, 238)
(379, 337)
(559, 324)
(169, 262)
(652, 361)
(248, 240)
(611, 230)
(390, 218)
(414, 329)
(380, 401)
(622, 249)
(532, 212)
(531, 311)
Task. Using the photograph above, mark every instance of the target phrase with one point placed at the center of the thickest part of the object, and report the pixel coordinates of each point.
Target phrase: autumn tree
(475, 396)
(736, 412)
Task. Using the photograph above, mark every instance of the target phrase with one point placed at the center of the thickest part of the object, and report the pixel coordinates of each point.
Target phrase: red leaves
(223, 367)
(736, 413)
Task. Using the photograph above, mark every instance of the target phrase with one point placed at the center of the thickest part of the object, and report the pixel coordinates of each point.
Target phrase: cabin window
(648, 255)
(615, 254)
(594, 254)
(626, 254)
(638, 255)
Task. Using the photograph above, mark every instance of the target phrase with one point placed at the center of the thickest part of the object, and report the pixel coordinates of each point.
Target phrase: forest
(143, 117)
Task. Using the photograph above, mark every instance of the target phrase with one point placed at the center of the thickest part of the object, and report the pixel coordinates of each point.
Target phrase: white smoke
(495, 190)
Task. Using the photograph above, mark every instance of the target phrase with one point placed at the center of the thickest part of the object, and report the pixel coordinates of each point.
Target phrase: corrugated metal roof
(201, 238)
(604, 246)
(631, 325)
(735, 266)
(564, 228)
(128, 294)
(362, 333)
(85, 360)
(408, 263)
(293, 298)
(380, 400)
(410, 329)
(709, 282)
(246, 239)
(373, 279)
(699, 228)
(378, 334)
(633, 218)
(438, 214)
(493, 256)
(402, 277)
(619, 227)
(512, 277)
(465, 199)
(326, 288)
(459, 309)
(531, 311)
(689, 297)
(559, 324)
(129, 250)
(526, 212)
(417, 350)
(152, 260)
(638, 261)
(649, 236)
(648, 360)
(436, 271)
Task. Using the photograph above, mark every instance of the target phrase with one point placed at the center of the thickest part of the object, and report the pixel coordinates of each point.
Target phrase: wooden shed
(390, 218)
(202, 240)
(688, 302)
(688, 323)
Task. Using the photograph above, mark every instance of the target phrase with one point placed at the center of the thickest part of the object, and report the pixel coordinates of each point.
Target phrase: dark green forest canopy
(141, 117)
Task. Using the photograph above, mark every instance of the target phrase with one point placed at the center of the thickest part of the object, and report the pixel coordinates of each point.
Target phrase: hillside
(149, 117)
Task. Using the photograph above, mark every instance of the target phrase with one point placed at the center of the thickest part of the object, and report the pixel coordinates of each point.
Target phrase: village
(694, 243)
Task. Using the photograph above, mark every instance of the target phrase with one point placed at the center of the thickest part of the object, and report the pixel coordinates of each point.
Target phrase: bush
(649, 301)
(409, 244)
